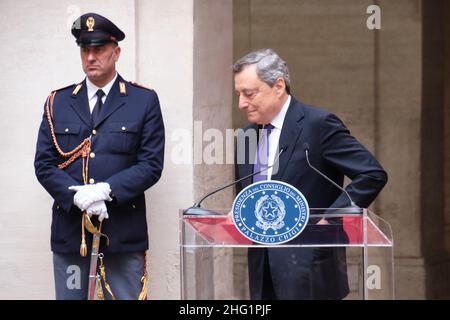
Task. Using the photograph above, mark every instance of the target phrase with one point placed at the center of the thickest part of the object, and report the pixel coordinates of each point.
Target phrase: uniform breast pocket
(67, 135)
(123, 137)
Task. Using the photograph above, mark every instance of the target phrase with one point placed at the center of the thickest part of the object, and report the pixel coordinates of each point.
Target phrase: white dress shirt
(92, 90)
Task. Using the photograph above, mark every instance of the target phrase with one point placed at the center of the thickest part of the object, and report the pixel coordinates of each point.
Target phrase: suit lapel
(80, 105)
(290, 133)
(114, 101)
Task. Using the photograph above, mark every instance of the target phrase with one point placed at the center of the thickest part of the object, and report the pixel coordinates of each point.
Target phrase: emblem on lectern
(270, 212)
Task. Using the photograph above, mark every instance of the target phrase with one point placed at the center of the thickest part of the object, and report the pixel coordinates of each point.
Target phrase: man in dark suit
(100, 146)
(263, 85)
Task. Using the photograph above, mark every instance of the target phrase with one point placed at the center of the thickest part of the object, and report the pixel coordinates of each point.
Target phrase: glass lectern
(211, 246)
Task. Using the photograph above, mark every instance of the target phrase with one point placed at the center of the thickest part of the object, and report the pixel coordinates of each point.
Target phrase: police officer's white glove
(87, 194)
(99, 209)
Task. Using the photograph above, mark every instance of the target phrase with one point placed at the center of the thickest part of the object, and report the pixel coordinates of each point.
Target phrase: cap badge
(90, 22)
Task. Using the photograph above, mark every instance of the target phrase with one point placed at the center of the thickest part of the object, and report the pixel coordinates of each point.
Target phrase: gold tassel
(100, 294)
(103, 277)
(144, 280)
(83, 247)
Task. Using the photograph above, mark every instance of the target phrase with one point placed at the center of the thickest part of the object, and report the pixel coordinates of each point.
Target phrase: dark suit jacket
(319, 273)
(129, 155)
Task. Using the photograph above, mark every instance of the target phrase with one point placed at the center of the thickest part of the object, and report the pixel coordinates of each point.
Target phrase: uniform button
(92, 155)
(123, 128)
(57, 207)
(66, 130)
(134, 206)
(91, 181)
(94, 132)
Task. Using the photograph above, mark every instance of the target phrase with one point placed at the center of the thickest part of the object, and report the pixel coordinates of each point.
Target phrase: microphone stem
(215, 191)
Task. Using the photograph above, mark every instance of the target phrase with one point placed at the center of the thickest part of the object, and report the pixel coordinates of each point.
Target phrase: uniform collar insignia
(122, 88)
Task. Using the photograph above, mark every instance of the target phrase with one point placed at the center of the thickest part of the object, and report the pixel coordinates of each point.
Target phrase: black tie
(98, 107)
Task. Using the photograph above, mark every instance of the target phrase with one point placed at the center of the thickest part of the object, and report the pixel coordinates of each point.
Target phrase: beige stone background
(390, 86)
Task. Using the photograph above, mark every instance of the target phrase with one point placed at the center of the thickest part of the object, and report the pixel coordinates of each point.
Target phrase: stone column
(399, 121)
(184, 52)
(212, 107)
(446, 148)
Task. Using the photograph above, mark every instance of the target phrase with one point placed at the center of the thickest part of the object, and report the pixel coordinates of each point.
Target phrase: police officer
(100, 146)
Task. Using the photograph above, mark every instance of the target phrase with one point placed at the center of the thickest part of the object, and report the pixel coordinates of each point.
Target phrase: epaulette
(51, 97)
(63, 88)
(140, 86)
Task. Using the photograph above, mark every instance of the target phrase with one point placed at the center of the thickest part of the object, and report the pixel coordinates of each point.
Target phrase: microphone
(353, 207)
(197, 210)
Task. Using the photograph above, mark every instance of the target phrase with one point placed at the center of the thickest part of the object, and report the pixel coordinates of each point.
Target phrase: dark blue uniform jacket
(127, 152)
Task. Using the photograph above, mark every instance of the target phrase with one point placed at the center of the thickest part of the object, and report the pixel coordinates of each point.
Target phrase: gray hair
(269, 67)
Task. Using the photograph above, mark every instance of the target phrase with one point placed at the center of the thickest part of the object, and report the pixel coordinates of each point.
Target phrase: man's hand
(99, 209)
(87, 194)
(323, 221)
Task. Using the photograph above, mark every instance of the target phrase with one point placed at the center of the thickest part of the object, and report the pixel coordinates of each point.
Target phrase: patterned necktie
(98, 107)
(262, 154)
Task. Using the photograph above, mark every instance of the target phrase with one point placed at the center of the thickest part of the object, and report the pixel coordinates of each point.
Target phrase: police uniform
(126, 151)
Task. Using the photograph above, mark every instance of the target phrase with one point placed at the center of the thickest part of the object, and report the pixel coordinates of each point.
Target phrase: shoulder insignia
(77, 88)
(63, 88)
(52, 95)
(140, 86)
(122, 88)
